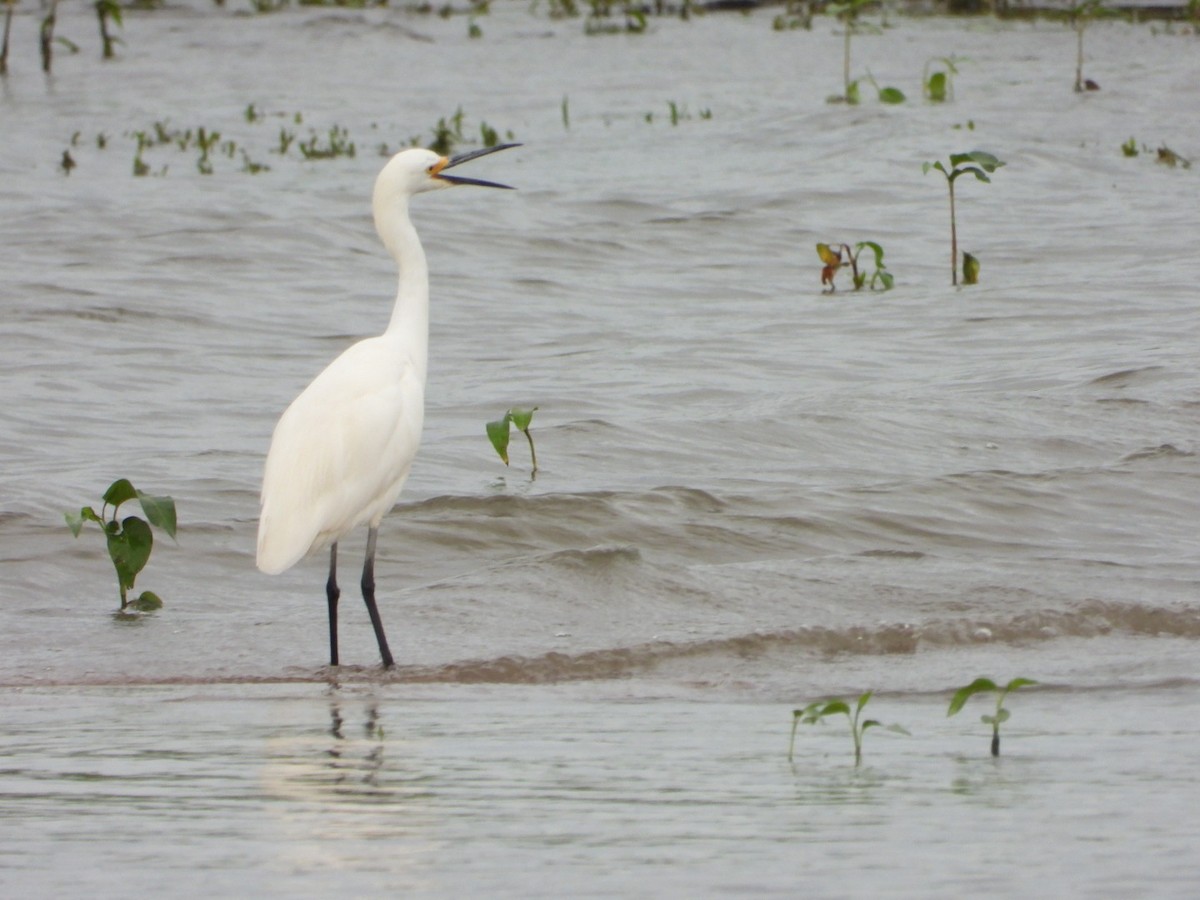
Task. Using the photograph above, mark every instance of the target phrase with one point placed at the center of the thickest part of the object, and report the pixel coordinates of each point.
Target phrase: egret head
(416, 170)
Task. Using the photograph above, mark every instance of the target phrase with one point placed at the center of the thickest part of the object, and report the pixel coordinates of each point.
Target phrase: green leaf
(970, 269)
(987, 719)
(119, 491)
(876, 249)
(891, 95)
(869, 723)
(147, 602)
(1002, 715)
(1018, 683)
(497, 433)
(978, 173)
(989, 162)
(159, 510)
(833, 707)
(887, 280)
(130, 549)
(521, 416)
(862, 701)
(936, 87)
(979, 685)
(898, 729)
(852, 93)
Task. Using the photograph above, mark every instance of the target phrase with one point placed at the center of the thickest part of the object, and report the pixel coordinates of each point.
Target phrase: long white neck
(409, 325)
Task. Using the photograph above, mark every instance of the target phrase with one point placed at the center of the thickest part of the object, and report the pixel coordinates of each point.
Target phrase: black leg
(368, 592)
(332, 593)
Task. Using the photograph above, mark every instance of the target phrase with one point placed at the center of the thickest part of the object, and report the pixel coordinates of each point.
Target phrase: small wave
(1123, 377)
(1088, 620)
(1162, 451)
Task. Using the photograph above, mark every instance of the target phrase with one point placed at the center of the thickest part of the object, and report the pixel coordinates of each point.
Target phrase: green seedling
(566, 113)
(498, 433)
(337, 144)
(108, 11)
(848, 11)
(8, 15)
(832, 256)
(983, 686)
(796, 14)
(46, 36)
(130, 539)
(815, 712)
(1130, 147)
(599, 21)
(938, 78)
(977, 163)
(1079, 15)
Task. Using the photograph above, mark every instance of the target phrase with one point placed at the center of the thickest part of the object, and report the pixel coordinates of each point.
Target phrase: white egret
(342, 450)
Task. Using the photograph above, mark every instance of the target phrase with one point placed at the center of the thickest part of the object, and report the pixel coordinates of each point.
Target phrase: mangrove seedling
(1079, 15)
(130, 539)
(8, 14)
(983, 686)
(980, 165)
(886, 94)
(938, 78)
(498, 433)
(796, 14)
(848, 11)
(818, 710)
(831, 256)
(106, 11)
(46, 36)
(1130, 147)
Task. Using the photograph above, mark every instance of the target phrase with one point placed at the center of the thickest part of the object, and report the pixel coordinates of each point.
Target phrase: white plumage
(342, 450)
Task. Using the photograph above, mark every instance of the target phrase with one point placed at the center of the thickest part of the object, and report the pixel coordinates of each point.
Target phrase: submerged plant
(1079, 15)
(848, 11)
(817, 711)
(980, 165)
(983, 686)
(499, 430)
(130, 539)
(886, 94)
(106, 11)
(831, 256)
(937, 78)
(796, 14)
(8, 14)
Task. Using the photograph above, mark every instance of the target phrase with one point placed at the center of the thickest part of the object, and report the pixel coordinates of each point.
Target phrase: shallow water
(752, 493)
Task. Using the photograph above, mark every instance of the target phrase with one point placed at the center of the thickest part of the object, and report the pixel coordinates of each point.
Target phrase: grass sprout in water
(983, 686)
(979, 164)
(129, 540)
(818, 710)
(498, 433)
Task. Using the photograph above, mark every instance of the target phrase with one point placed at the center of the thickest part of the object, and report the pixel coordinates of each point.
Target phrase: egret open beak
(451, 162)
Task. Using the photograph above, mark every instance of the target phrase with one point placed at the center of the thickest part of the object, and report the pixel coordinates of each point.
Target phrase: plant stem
(1079, 26)
(532, 454)
(47, 36)
(953, 239)
(846, 62)
(995, 740)
(105, 39)
(4, 47)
